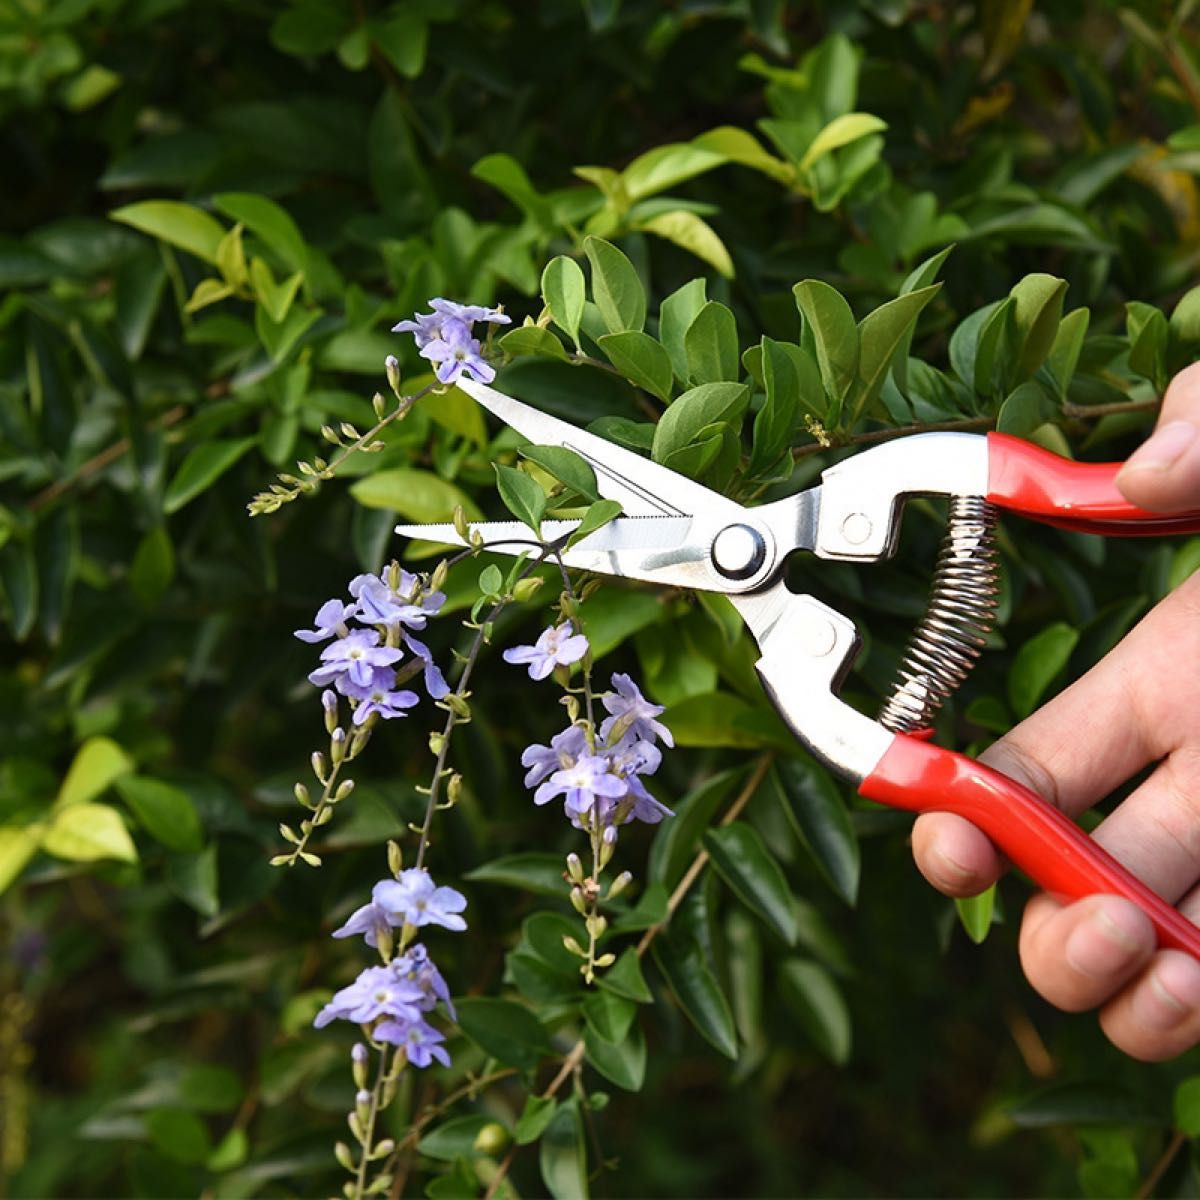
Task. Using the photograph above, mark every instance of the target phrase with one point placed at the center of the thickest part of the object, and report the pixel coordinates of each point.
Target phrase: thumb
(1163, 474)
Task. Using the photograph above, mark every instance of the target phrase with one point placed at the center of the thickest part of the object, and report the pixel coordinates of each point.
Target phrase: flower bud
(318, 766)
(437, 742)
(578, 901)
(301, 794)
(619, 884)
(392, 366)
(337, 745)
(395, 857)
(574, 867)
(454, 788)
(596, 925)
(349, 431)
(359, 1057)
(460, 524)
(383, 1148)
(527, 588)
(491, 1139)
(438, 579)
(608, 843)
(345, 1157)
(330, 435)
(379, 405)
(606, 960)
(574, 947)
(344, 790)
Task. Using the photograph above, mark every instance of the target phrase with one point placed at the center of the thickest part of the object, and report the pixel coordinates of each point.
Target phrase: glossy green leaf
(664, 166)
(521, 495)
(834, 332)
(641, 360)
(818, 1004)
(675, 316)
(625, 978)
(270, 222)
(1037, 664)
(193, 877)
(691, 413)
(616, 288)
(165, 812)
(739, 146)
(1037, 310)
(1068, 343)
(566, 466)
(693, 234)
(532, 339)
(822, 822)
(403, 36)
(535, 1116)
(19, 579)
(97, 765)
(881, 335)
(1082, 1103)
(1148, 334)
(598, 514)
(454, 1138)
(623, 1062)
(1185, 319)
(87, 832)
(724, 719)
(841, 131)
(507, 1031)
(562, 1155)
(609, 1014)
(686, 968)
(976, 912)
(414, 494)
(743, 861)
(18, 844)
(976, 344)
(1026, 409)
(711, 346)
(202, 467)
(531, 871)
(182, 225)
(564, 290)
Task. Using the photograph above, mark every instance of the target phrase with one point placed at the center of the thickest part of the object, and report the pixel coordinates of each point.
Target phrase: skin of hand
(1139, 706)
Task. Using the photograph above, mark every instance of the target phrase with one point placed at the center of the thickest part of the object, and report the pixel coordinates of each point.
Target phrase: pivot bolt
(738, 551)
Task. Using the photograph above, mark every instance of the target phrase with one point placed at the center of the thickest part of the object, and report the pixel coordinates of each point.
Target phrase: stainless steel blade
(625, 533)
(644, 488)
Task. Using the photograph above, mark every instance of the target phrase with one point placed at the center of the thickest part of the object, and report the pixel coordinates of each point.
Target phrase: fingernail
(1163, 448)
(1104, 944)
(1174, 992)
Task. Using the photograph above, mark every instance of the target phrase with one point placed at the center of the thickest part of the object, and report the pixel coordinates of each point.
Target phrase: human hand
(1139, 705)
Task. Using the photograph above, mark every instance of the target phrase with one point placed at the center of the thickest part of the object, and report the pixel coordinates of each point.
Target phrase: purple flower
(377, 697)
(456, 352)
(562, 752)
(417, 967)
(424, 327)
(378, 604)
(371, 920)
(418, 1039)
(330, 622)
(414, 899)
(452, 311)
(377, 992)
(628, 703)
(557, 645)
(435, 681)
(586, 779)
(356, 655)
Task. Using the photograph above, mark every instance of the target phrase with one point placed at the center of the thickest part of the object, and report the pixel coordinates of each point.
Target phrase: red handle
(1049, 847)
(1080, 496)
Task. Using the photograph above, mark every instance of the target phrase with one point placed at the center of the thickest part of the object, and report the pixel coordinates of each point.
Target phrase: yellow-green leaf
(87, 832)
(182, 225)
(841, 131)
(414, 494)
(98, 764)
(688, 231)
(18, 844)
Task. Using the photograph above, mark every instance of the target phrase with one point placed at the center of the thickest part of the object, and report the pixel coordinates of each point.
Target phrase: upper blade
(644, 488)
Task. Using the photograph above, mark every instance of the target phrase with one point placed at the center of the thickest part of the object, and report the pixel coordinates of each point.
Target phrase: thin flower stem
(574, 1057)
(1146, 1190)
(314, 822)
(369, 1130)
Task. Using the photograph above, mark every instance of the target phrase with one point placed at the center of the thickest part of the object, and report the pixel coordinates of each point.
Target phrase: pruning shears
(677, 532)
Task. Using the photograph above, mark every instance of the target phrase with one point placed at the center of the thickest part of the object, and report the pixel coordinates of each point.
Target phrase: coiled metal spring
(962, 607)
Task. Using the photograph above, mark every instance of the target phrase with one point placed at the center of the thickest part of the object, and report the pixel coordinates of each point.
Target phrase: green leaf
(508, 1032)
(675, 316)
(743, 861)
(181, 225)
(641, 359)
(598, 514)
(210, 1089)
(87, 832)
(1185, 319)
(1146, 327)
(822, 822)
(711, 346)
(531, 871)
(1186, 1107)
(18, 844)
(625, 978)
(616, 288)
(834, 333)
(19, 580)
(562, 1156)
(566, 466)
(275, 298)
(1082, 1103)
(453, 410)
(723, 719)
(691, 413)
(415, 494)
(788, 375)
(403, 36)
(685, 967)
(693, 234)
(882, 334)
(1027, 408)
(623, 1062)
(739, 146)
(521, 495)
(193, 877)
(608, 1014)
(974, 345)
(564, 291)
(270, 222)
(1037, 664)
(1068, 342)
(454, 1138)
(1037, 310)
(975, 913)
(816, 1000)
(532, 339)
(180, 1135)
(841, 131)
(165, 812)
(665, 166)
(535, 1117)
(203, 466)
(98, 764)
(153, 566)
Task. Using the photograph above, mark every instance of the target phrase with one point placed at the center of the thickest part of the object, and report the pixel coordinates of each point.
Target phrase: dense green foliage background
(158, 977)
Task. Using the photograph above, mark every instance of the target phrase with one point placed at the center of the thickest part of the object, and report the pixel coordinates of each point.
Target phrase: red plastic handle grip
(1036, 836)
(1025, 478)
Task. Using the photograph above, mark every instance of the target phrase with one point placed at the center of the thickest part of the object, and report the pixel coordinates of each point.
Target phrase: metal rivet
(856, 528)
(738, 551)
(818, 638)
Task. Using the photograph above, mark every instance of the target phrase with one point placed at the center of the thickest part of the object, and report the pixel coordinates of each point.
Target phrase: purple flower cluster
(393, 1000)
(361, 662)
(445, 338)
(411, 899)
(602, 783)
(559, 645)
